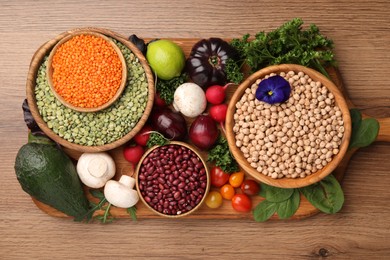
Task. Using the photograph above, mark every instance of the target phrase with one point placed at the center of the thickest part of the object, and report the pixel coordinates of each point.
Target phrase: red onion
(204, 132)
(171, 124)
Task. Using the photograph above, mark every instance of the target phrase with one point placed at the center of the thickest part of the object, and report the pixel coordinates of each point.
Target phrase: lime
(165, 58)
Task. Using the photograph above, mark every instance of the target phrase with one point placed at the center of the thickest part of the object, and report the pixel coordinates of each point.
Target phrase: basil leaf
(264, 210)
(325, 195)
(287, 208)
(365, 134)
(274, 194)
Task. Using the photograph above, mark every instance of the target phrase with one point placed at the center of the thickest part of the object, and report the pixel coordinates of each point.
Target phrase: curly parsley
(166, 88)
(156, 138)
(289, 43)
(222, 156)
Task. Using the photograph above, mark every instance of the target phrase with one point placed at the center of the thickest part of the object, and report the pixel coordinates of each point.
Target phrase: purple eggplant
(206, 63)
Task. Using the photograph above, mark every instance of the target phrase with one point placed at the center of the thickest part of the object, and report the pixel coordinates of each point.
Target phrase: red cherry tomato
(218, 177)
(250, 187)
(236, 179)
(143, 135)
(227, 191)
(241, 203)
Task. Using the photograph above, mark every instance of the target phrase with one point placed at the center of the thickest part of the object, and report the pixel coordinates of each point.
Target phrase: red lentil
(87, 71)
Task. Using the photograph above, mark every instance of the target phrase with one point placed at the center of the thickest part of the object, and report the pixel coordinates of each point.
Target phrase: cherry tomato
(241, 203)
(227, 191)
(236, 179)
(250, 187)
(218, 177)
(213, 199)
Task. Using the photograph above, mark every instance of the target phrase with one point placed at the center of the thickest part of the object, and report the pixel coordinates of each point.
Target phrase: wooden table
(361, 32)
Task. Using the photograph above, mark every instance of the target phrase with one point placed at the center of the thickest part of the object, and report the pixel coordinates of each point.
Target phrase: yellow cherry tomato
(227, 191)
(236, 179)
(213, 199)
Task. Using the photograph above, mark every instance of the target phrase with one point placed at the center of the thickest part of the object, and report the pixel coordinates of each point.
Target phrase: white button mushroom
(189, 99)
(121, 193)
(95, 169)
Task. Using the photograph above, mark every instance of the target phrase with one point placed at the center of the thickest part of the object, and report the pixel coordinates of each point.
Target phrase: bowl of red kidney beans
(172, 180)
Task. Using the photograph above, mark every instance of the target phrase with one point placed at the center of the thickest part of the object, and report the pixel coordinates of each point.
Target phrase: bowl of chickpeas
(293, 143)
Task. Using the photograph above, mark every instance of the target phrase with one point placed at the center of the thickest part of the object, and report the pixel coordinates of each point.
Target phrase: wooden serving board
(225, 211)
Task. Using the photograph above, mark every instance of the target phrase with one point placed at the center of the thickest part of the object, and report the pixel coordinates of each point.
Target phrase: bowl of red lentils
(293, 143)
(172, 180)
(86, 71)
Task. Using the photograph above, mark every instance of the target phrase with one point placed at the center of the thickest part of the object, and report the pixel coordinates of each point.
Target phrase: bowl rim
(38, 59)
(208, 181)
(50, 70)
(288, 182)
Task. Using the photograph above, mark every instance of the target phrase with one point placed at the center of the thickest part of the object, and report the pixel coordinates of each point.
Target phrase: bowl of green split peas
(96, 131)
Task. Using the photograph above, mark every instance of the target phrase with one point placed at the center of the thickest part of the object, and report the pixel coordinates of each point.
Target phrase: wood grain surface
(361, 230)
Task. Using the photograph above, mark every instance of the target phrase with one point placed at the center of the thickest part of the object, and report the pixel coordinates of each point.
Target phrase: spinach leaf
(287, 208)
(325, 195)
(264, 210)
(356, 119)
(366, 134)
(274, 194)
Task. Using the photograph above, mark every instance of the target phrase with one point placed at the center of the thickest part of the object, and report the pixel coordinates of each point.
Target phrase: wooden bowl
(50, 70)
(207, 180)
(38, 59)
(288, 182)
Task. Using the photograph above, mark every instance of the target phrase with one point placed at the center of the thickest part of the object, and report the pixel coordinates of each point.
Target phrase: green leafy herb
(325, 195)
(287, 44)
(97, 194)
(132, 212)
(166, 88)
(233, 71)
(288, 207)
(275, 194)
(106, 218)
(156, 138)
(364, 131)
(283, 201)
(356, 118)
(222, 156)
(264, 210)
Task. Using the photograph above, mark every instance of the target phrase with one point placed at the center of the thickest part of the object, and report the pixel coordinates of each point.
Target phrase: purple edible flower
(273, 90)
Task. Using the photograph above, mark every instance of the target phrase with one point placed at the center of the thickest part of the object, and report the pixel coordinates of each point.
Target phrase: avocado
(46, 173)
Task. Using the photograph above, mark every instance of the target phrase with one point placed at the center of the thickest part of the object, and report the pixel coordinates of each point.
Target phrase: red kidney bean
(181, 185)
(177, 195)
(172, 179)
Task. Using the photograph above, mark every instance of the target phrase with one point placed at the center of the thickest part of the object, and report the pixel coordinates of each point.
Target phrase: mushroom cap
(121, 193)
(190, 99)
(95, 169)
